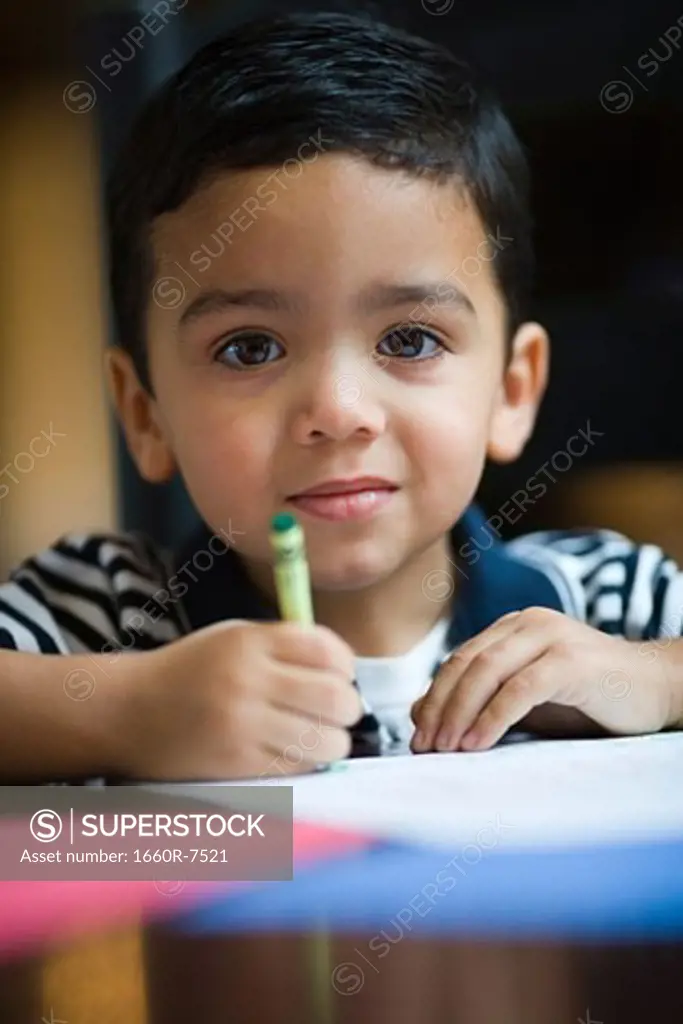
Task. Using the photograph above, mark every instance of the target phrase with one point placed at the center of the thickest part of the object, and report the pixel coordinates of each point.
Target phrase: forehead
(326, 228)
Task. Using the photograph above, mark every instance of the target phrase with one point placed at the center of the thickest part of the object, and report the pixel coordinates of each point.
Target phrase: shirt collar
(491, 581)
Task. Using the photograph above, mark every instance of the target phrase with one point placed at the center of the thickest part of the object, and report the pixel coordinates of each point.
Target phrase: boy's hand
(240, 699)
(534, 657)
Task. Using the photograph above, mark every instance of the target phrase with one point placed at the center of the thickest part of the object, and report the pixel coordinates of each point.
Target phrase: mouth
(339, 500)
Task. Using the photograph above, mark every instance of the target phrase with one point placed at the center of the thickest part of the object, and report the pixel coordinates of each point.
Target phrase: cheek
(226, 459)
(446, 438)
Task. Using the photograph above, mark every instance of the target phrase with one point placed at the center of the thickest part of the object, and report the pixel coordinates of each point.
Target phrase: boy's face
(344, 324)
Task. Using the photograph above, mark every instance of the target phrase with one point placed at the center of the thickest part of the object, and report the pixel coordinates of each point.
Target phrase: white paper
(540, 792)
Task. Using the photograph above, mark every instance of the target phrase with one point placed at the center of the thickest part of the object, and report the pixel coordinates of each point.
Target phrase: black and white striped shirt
(112, 593)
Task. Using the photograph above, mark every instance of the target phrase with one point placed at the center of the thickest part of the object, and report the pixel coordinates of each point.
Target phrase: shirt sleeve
(614, 584)
(82, 593)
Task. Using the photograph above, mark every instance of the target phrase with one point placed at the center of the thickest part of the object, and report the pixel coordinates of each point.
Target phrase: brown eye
(247, 351)
(410, 343)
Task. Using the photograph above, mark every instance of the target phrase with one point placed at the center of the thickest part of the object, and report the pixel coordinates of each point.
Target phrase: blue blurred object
(625, 892)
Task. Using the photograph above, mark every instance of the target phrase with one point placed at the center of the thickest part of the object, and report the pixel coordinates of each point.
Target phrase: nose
(337, 402)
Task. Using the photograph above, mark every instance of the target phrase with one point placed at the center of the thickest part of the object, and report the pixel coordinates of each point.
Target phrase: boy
(320, 255)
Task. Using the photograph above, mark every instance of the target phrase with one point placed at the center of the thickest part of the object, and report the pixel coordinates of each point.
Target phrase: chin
(349, 575)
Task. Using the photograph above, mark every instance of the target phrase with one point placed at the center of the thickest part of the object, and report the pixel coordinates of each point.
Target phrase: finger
(535, 684)
(296, 743)
(314, 646)
(541, 620)
(482, 678)
(428, 715)
(416, 708)
(316, 694)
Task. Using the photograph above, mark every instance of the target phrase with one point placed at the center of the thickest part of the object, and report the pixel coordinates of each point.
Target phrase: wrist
(123, 713)
(673, 674)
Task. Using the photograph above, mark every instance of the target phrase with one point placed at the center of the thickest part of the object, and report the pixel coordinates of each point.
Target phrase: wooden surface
(98, 979)
(267, 979)
(644, 501)
(53, 316)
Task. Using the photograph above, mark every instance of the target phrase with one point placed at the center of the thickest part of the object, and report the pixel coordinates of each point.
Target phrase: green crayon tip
(282, 522)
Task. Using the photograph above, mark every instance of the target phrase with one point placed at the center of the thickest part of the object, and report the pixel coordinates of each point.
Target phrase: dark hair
(251, 97)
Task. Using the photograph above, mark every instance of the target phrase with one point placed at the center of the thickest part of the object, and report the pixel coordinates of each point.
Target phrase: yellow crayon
(293, 587)
(292, 580)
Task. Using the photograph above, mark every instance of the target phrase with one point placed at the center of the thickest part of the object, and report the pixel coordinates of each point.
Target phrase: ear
(521, 391)
(139, 417)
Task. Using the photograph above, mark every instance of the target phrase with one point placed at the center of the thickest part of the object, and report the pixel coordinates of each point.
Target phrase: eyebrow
(440, 293)
(216, 300)
(372, 299)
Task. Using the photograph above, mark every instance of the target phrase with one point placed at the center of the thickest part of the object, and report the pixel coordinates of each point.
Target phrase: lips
(353, 486)
(339, 500)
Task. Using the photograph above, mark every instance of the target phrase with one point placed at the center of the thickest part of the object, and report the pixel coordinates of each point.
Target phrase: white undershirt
(391, 685)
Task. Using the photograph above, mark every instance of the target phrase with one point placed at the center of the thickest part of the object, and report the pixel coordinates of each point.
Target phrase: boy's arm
(59, 718)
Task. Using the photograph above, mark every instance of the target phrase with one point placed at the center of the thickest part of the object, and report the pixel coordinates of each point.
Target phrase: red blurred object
(34, 914)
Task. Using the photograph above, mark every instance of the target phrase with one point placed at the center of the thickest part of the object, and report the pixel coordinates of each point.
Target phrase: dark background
(609, 223)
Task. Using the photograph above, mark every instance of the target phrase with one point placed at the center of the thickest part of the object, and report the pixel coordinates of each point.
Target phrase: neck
(394, 614)
(391, 616)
